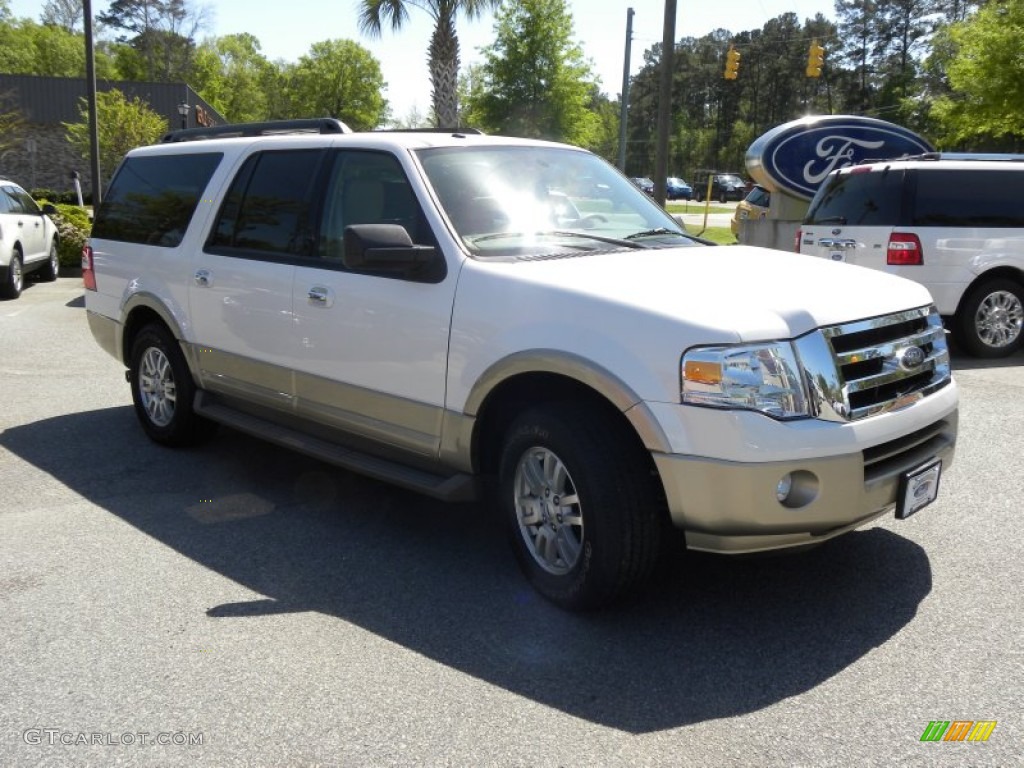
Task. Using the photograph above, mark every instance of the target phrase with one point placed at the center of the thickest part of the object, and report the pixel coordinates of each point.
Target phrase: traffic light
(815, 59)
(732, 63)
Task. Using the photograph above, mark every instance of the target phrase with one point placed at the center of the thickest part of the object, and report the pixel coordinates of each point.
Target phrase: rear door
(853, 215)
(240, 289)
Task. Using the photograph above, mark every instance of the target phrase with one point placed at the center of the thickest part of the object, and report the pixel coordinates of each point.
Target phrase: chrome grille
(864, 368)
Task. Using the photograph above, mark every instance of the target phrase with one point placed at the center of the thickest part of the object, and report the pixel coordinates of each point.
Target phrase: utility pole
(668, 46)
(90, 86)
(624, 106)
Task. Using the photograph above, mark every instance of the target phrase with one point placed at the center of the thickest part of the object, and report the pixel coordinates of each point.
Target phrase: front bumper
(731, 507)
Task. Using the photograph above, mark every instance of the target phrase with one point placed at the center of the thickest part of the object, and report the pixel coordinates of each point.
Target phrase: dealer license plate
(918, 489)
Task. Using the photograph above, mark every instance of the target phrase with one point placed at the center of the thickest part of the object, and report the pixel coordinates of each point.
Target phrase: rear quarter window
(969, 198)
(152, 198)
(868, 198)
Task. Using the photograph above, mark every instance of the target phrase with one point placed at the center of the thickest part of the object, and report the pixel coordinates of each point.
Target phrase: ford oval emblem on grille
(910, 358)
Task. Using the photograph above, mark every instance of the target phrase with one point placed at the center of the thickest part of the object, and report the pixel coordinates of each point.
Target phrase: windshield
(533, 200)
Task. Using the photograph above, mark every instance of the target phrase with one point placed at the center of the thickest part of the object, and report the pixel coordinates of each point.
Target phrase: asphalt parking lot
(241, 605)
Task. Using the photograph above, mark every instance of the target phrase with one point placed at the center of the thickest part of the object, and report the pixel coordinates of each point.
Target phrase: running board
(456, 487)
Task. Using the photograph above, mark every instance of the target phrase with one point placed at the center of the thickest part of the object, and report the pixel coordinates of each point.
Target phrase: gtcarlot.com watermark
(50, 737)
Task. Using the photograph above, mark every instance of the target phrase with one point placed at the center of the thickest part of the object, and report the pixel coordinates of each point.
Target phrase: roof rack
(268, 128)
(976, 156)
(455, 131)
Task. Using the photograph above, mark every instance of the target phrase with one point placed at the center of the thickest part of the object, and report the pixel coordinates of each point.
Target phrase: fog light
(784, 487)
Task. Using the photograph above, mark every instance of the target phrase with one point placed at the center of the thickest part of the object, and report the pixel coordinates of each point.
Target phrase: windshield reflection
(529, 200)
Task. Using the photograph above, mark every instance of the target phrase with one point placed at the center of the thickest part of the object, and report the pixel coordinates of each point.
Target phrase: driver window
(368, 188)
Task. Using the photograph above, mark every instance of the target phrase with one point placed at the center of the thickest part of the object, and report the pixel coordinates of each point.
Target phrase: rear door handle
(202, 278)
(319, 296)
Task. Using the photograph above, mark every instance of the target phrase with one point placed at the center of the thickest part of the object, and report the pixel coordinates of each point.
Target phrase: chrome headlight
(761, 377)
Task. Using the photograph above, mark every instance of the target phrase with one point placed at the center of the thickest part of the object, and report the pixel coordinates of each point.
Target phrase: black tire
(988, 322)
(592, 549)
(163, 390)
(51, 270)
(14, 277)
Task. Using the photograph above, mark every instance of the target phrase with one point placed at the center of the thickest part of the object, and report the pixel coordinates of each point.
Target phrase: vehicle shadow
(961, 361)
(711, 638)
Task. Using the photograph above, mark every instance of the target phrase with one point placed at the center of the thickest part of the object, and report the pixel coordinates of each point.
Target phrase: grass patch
(720, 235)
(691, 206)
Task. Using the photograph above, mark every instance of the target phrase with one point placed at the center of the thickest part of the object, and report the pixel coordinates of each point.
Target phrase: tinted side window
(969, 198)
(152, 199)
(268, 206)
(870, 198)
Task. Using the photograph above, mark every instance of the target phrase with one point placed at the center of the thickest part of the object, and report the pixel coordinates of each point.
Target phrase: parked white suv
(28, 240)
(441, 310)
(954, 223)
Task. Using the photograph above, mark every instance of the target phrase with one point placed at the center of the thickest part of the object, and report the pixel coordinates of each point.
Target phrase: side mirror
(387, 250)
(49, 209)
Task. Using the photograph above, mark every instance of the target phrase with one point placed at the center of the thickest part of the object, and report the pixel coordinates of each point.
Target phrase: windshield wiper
(654, 232)
(562, 233)
(831, 220)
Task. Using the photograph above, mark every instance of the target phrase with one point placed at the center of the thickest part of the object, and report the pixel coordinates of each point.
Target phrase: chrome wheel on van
(999, 319)
(991, 319)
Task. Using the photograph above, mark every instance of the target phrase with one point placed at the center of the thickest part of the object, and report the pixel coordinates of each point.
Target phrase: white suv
(455, 313)
(28, 240)
(954, 223)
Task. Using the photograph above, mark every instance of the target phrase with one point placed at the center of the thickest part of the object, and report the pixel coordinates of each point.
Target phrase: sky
(287, 30)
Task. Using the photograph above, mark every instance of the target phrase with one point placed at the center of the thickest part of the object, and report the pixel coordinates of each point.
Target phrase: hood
(727, 293)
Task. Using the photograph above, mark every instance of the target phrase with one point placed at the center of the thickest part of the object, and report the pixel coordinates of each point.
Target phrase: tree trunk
(443, 64)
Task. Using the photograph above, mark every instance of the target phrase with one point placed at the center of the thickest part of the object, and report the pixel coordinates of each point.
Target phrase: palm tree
(443, 54)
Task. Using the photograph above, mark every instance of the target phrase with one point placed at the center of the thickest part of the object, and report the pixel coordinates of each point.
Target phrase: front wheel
(581, 504)
(51, 270)
(162, 390)
(989, 322)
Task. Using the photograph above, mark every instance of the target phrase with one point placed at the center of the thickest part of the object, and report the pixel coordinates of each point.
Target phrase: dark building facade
(41, 156)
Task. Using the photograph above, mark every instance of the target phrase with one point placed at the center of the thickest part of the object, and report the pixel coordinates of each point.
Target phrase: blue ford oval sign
(796, 157)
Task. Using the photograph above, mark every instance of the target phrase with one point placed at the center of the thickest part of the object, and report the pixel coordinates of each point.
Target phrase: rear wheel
(51, 269)
(991, 317)
(581, 505)
(15, 279)
(163, 391)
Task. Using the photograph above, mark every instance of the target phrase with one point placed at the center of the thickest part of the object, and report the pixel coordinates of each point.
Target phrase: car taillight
(88, 275)
(796, 241)
(904, 250)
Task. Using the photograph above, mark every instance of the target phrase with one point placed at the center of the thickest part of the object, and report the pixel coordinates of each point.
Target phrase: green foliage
(28, 48)
(161, 32)
(986, 78)
(235, 77)
(342, 79)
(73, 226)
(537, 82)
(123, 125)
(11, 123)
